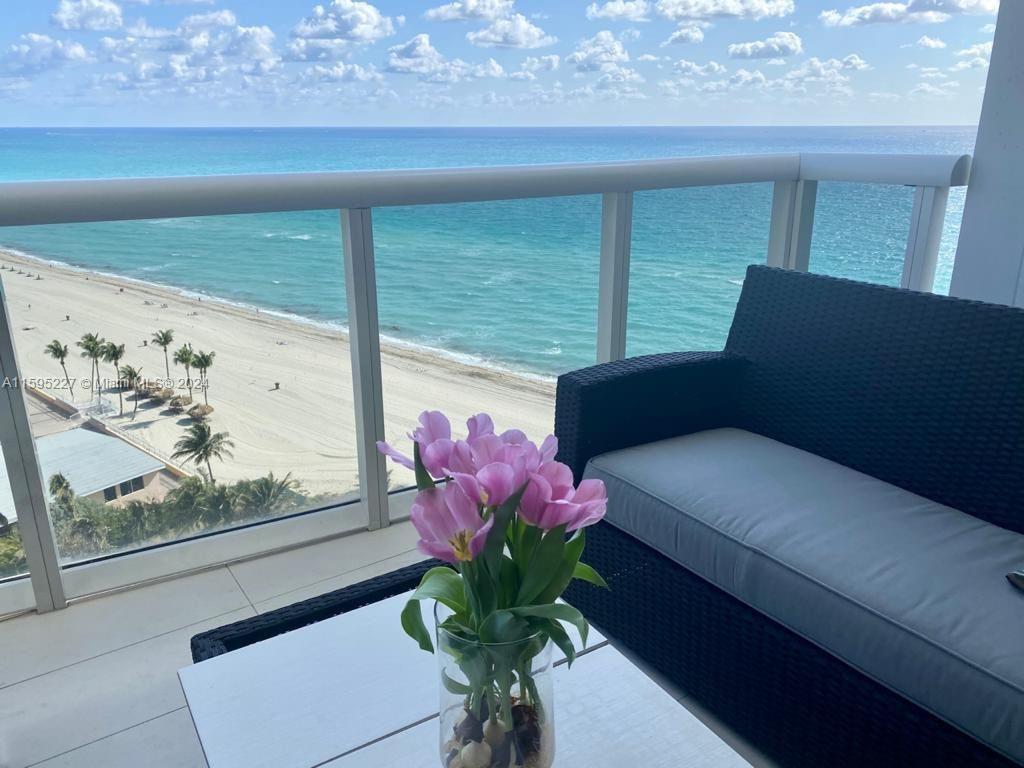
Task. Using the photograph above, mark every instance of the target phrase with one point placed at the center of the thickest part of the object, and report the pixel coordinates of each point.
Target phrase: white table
(354, 691)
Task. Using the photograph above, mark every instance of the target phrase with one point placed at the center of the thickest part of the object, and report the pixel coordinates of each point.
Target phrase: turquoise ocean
(508, 284)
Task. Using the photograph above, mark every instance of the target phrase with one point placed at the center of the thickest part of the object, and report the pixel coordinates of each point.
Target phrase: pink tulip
(449, 524)
(434, 436)
(491, 486)
(550, 499)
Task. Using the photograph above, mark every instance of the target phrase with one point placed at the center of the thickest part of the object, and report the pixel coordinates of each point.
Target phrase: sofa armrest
(642, 399)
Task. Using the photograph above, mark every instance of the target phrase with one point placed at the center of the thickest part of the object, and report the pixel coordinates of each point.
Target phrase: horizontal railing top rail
(63, 202)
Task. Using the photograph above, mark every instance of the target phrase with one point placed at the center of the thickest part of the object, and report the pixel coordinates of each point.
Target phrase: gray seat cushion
(910, 592)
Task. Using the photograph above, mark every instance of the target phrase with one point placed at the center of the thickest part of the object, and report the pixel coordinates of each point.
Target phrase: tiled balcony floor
(96, 684)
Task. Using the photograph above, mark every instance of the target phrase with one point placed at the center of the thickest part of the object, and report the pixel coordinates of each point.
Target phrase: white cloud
(981, 50)
(350, 20)
(419, 57)
(599, 52)
(957, 6)
(34, 53)
(779, 45)
(648, 57)
(203, 48)
(681, 10)
(516, 31)
(883, 96)
(308, 49)
(880, 13)
(87, 14)
(976, 63)
(975, 57)
(341, 73)
(931, 42)
(621, 81)
(684, 67)
(909, 12)
(463, 10)
(676, 87)
(747, 79)
(620, 10)
(830, 73)
(686, 33)
(935, 91)
(541, 63)
(988, 29)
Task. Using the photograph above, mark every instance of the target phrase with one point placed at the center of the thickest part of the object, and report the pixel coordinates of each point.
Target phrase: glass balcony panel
(690, 251)
(860, 231)
(481, 306)
(263, 430)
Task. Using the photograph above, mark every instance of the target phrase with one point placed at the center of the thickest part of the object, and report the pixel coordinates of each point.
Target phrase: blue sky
(493, 62)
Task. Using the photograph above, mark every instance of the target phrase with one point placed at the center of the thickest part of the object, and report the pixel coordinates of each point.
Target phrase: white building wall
(990, 254)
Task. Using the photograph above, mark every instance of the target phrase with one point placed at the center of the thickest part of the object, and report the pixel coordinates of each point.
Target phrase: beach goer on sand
(277, 385)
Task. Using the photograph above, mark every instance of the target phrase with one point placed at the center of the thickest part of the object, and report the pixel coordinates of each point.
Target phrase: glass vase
(497, 703)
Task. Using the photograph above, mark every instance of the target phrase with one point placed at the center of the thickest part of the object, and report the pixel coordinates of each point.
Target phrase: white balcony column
(613, 284)
(990, 255)
(792, 224)
(926, 222)
(364, 345)
(27, 485)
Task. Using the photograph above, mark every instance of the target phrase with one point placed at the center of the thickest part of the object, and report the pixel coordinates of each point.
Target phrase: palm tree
(269, 494)
(63, 497)
(131, 376)
(203, 361)
(92, 347)
(164, 339)
(186, 357)
(200, 444)
(60, 488)
(112, 353)
(59, 352)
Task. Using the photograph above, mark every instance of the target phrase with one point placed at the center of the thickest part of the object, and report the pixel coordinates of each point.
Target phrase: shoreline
(394, 343)
(306, 426)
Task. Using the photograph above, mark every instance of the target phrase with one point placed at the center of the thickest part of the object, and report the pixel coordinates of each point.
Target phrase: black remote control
(1016, 578)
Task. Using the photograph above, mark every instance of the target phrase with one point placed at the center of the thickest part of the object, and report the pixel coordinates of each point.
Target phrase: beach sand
(307, 427)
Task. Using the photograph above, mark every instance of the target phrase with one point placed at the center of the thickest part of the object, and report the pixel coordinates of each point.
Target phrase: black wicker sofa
(809, 531)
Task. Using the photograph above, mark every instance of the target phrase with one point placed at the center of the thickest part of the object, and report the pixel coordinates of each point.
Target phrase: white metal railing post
(926, 223)
(364, 345)
(26, 479)
(613, 285)
(792, 224)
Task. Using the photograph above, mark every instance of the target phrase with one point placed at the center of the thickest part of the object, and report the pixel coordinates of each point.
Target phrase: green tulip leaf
(496, 536)
(543, 567)
(423, 478)
(584, 572)
(444, 585)
(412, 623)
(559, 611)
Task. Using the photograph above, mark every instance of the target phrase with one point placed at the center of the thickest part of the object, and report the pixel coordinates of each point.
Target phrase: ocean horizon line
(560, 127)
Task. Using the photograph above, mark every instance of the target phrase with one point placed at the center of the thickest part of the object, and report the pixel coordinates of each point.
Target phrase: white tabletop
(354, 690)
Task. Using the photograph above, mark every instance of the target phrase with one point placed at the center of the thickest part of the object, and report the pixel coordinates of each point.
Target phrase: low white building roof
(91, 461)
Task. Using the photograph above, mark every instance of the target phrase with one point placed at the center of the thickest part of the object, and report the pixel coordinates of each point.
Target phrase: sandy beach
(306, 427)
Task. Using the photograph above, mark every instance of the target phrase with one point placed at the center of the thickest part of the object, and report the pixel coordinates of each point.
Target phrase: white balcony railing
(355, 194)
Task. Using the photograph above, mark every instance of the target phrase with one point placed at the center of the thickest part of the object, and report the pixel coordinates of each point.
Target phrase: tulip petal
(435, 426)
(498, 481)
(398, 458)
(469, 485)
(479, 425)
(548, 448)
(464, 511)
